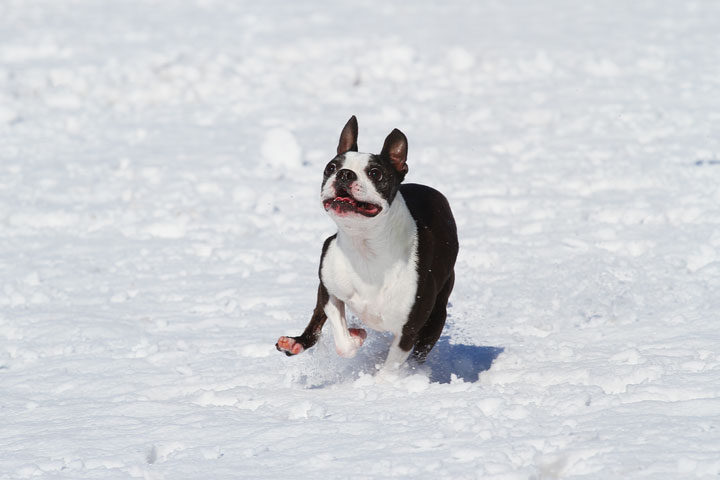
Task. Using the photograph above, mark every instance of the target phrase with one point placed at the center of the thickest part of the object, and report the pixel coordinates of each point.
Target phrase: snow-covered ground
(160, 227)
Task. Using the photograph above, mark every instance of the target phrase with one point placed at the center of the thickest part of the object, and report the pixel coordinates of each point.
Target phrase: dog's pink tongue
(369, 208)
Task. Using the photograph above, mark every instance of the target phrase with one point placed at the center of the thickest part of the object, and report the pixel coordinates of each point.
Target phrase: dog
(392, 259)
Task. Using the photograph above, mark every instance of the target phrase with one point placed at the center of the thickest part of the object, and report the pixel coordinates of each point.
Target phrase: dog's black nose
(346, 176)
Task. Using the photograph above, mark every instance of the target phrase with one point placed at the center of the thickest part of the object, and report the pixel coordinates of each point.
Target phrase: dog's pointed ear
(396, 148)
(348, 137)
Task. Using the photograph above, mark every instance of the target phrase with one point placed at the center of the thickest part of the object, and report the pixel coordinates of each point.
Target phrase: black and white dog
(391, 261)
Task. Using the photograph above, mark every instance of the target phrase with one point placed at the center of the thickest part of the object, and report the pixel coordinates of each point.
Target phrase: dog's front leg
(347, 341)
(295, 345)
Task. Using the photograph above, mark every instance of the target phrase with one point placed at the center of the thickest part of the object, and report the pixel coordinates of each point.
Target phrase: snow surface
(160, 227)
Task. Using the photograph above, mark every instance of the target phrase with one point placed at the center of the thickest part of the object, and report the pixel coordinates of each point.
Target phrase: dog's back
(436, 228)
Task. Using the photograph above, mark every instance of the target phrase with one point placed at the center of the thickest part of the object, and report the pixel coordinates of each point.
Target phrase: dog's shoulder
(429, 208)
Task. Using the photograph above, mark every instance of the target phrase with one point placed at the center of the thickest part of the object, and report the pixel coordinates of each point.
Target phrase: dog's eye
(330, 169)
(375, 174)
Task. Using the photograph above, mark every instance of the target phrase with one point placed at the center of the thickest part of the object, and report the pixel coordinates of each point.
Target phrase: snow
(160, 227)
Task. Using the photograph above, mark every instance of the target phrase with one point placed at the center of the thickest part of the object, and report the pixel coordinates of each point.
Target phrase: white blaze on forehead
(356, 161)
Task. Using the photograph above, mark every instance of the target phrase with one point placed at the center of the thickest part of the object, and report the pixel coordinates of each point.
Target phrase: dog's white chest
(378, 286)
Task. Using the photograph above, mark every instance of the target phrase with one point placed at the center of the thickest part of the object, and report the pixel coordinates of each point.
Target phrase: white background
(160, 227)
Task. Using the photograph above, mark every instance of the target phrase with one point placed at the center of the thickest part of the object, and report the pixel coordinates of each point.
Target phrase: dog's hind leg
(423, 328)
(431, 331)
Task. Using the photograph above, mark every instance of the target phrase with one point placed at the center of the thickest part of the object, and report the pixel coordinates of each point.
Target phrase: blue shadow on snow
(464, 361)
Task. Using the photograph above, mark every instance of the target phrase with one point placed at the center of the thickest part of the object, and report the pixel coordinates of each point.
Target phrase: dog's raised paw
(359, 334)
(289, 346)
(347, 348)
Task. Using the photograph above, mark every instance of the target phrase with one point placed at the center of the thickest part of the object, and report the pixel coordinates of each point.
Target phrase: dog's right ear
(348, 137)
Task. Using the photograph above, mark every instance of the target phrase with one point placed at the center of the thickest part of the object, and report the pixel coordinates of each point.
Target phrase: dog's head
(363, 185)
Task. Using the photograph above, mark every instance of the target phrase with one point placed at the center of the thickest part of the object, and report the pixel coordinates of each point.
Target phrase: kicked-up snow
(160, 228)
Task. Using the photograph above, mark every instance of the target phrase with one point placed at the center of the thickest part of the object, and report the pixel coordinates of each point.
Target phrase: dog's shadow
(465, 362)
(445, 362)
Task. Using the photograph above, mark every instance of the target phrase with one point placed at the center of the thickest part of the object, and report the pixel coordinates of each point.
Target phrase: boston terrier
(392, 259)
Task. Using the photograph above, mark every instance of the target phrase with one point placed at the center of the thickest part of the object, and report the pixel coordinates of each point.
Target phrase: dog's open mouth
(344, 203)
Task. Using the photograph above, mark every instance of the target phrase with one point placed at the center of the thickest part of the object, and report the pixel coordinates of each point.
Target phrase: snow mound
(280, 149)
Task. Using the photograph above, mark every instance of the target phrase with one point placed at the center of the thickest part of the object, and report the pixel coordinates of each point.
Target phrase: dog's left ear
(348, 137)
(395, 148)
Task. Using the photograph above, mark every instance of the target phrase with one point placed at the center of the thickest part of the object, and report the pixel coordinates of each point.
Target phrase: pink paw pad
(357, 337)
(289, 345)
(358, 333)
